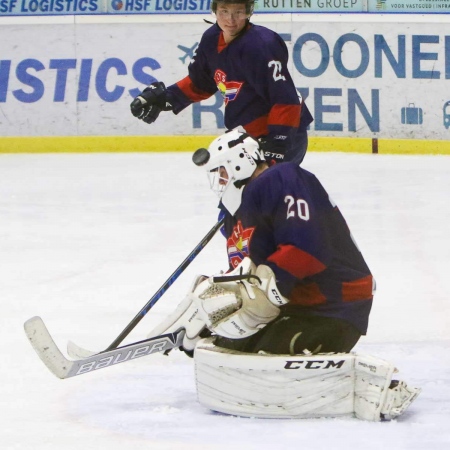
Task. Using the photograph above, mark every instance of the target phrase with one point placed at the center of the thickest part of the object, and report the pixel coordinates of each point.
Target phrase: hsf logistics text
(97, 6)
(36, 7)
(32, 6)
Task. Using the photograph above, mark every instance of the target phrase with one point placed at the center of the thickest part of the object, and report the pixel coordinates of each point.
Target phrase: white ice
(86, 239)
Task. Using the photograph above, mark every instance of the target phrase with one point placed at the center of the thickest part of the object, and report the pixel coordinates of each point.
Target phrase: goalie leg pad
(285, 386)
(377, 396)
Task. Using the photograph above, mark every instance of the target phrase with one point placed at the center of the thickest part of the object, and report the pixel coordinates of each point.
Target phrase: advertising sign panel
(359, 80)
(82, 7)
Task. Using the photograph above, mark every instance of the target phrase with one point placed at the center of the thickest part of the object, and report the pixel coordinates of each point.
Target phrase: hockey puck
(200, 157)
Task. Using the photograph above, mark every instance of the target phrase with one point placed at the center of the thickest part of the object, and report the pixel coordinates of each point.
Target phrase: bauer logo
(166, 342)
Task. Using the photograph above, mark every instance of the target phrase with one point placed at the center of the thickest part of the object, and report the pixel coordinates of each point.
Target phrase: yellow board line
(94, 144)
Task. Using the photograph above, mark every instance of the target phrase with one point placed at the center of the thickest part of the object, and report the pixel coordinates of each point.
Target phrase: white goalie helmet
(230, 161)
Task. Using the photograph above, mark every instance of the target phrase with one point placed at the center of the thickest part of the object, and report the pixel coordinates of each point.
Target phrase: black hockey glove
(274, 149)
(150, 102)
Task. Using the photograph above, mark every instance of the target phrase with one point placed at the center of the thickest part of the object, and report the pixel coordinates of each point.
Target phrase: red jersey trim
(191, 92)
(295, 261)
(360, 289)
(258, 127)
(287, 115)
(307, 295)
(221, 44)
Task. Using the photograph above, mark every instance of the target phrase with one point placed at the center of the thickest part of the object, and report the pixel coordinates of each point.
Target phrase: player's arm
(199, 84)
(195, 87)
(186, 91)
(268, 73)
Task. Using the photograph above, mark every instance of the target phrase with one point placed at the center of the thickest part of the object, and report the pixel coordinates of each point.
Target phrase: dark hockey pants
(293, 334)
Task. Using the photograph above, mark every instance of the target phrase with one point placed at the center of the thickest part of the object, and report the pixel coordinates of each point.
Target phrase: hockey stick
(79, 352)
(62, 367)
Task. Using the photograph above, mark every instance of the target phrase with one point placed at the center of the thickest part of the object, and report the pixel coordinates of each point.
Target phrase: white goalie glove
(186, 316)
(235, 305)
(240, 303)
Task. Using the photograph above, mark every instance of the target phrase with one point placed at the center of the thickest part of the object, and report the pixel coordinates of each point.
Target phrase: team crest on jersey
(228, 89)
(238, 244)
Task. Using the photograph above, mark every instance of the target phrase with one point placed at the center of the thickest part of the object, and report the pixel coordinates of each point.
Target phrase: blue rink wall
(374, 83)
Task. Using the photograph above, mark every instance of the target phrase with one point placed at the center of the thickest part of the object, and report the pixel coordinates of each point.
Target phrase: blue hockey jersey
(252, 75)
(287, 221)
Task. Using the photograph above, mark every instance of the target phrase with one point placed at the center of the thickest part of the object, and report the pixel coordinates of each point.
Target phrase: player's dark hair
(249, 4)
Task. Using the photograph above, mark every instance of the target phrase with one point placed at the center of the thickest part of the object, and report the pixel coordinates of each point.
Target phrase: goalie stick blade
(76, 352)
(46, 348)
(60, 366)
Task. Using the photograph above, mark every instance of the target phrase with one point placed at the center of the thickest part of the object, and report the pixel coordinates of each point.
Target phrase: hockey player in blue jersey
(297, 281)
(285, 317)
(247, 64)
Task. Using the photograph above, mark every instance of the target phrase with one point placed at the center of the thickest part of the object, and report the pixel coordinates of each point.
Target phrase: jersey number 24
(277, 70)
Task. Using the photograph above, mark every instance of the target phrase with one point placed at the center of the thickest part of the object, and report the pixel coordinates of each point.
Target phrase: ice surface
(87, 239)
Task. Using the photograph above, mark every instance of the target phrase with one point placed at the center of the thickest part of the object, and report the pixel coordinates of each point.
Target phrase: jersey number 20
(297, 208)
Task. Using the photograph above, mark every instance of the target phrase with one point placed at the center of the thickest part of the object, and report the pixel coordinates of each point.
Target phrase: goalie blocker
(295, 387)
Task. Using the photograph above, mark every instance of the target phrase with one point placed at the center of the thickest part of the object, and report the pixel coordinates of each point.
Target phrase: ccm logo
(313, 364)
(277, 297)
